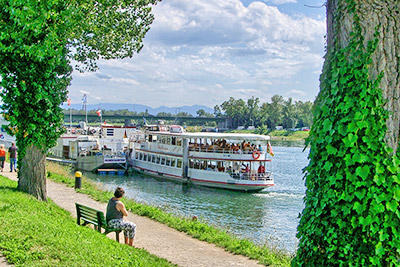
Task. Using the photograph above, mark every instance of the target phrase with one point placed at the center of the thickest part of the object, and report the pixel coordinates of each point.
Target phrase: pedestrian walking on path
(2, 156)
(13, 157)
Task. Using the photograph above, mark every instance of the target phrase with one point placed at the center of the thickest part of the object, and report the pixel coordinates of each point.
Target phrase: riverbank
(162, 240)
(265, 255)
(35, 233)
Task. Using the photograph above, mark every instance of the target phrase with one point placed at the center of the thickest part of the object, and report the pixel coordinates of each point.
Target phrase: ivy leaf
(392, 205)
(361, 193)
(358, 207)
(379, 250)
(363, 171)
(352, 128)
(350, 139)
(331, 150)
(396, 195)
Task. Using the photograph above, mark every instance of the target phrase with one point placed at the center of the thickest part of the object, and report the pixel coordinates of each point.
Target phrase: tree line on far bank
(287, 113)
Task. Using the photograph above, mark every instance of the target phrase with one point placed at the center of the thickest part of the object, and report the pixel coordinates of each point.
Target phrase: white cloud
(204, 51)
(295, 93)
(280, 2)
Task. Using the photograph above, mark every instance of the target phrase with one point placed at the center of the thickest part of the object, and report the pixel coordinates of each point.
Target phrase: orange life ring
(256, 154)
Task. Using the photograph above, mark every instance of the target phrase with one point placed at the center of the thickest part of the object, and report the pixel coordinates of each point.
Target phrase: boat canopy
(211, 135)
(227, 136)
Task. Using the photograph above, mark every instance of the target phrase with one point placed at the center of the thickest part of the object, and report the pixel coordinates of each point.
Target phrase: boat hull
(174, 174)
(93, 163)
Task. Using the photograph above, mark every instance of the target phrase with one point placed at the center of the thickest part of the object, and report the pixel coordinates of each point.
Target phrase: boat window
(168, 161)
(162, 160)
(141, 156)
(168, 140)
(212, 165)
(173, 161)
(179, 163)
(163, 140)
(149, 158)
(154, 138)
(145, 157)
(158, 160)
(173, 140)
(191, 163)
(153, 159)
(110, 132)
(136, 155)
(204, 164)
(178, 141)
(220, 166)
(197, 164)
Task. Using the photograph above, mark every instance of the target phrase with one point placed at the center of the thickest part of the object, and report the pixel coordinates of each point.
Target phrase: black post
(78, 180)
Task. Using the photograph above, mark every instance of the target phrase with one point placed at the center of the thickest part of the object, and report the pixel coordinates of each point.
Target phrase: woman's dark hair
(119, 192)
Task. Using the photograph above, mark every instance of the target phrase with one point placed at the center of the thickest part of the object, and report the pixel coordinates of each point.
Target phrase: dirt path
(156, 238)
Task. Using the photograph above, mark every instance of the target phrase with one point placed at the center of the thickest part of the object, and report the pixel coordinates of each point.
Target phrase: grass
(265, 255)
(288, 135)
(36, 233)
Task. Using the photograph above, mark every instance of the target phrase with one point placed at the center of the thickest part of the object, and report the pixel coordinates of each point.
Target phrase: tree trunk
(32, 173)
(383, 15)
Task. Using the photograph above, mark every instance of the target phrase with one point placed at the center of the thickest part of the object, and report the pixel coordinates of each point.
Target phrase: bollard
(78, 180)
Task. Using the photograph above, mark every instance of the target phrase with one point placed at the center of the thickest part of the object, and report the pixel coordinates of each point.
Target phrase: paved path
(156, 238)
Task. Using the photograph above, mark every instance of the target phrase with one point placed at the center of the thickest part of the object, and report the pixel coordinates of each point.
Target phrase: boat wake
(269, 194)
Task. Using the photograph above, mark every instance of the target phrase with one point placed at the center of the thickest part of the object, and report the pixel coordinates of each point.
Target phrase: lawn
(35, 233)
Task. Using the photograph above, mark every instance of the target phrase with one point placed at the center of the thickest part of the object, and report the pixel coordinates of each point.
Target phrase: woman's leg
(128, 227)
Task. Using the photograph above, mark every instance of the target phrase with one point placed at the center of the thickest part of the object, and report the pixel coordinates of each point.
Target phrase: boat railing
(221, 150)
(266, 176)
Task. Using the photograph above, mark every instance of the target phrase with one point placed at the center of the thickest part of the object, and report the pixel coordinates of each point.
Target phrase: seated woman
(116, 212)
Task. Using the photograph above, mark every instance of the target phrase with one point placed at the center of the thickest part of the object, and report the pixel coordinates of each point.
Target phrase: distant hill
(142, 108)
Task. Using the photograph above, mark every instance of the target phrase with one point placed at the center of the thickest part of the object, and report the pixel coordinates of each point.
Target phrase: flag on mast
(69, 101)
(269, 149)
(98, 112)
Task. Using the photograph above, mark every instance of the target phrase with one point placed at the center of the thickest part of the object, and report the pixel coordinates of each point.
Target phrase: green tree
(305, 115)
(236, 109)
(276, 111)
(38, 40)
(217, 111)
(164, 114)
(253, 112)
(352, 212)
(290, 114)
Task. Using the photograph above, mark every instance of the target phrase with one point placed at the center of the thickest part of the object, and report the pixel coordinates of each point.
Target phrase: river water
(270, 216)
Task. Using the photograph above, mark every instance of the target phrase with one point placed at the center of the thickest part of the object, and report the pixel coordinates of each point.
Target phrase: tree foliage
(38, 40)
(352, 210)
(278, 112)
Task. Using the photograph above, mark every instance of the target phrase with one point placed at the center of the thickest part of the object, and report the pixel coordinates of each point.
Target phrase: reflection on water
(271, 214)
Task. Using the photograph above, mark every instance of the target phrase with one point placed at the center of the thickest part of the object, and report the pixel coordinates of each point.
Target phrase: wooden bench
(95, 217)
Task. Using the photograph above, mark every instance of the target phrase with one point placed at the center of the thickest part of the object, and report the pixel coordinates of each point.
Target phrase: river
(270, 216)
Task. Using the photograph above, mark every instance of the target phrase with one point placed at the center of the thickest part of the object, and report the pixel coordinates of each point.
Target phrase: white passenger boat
(223, 160)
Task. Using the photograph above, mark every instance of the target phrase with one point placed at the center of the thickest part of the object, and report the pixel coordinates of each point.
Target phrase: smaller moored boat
(103, 149)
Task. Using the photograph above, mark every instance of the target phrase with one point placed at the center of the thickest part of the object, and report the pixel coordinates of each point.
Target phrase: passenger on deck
(261, 169)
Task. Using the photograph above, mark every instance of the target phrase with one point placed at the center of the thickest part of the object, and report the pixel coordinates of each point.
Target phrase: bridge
(221, 121)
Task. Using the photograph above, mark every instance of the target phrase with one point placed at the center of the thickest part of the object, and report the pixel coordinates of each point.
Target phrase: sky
(202, 52)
